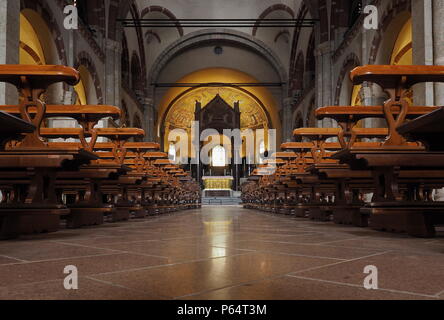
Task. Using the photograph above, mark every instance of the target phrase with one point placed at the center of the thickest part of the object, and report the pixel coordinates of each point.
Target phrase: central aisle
(221, 253)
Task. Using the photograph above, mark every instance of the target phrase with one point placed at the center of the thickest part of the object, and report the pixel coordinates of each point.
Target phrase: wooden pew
(404, 194)
(344, 186)
(28, 171)
(117, 190)
(427, 129)
(307, 195)
(87, 116)
(12, 128)
(118, 150)
(144, 167)
(82, 189)
(390, 210)
(72, 166)
(348, 117)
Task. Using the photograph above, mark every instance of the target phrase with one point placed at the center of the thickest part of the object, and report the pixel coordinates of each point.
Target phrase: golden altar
(218, 183)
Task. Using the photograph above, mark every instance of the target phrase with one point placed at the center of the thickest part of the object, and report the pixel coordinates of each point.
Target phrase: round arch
(350, 62)
(38, 44)
(202, 36)
(86, 66)
(270, 9)
(166, 12)
(42, 19)
(393, 20)
(221, 75)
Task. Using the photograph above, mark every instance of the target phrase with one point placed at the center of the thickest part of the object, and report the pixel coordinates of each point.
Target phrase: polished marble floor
(222, 253)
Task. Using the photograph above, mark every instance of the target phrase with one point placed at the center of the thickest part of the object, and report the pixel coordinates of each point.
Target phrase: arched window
(218, 156)
(172, 152)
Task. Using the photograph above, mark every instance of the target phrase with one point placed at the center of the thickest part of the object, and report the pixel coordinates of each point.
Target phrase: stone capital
(113, 45)
(288, 102)
(148, 102)
(323, 48)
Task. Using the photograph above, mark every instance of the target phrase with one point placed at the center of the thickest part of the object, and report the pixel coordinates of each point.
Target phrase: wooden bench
(12, 128)
(38, 176)
(390, 210)
(346, 187)
(28, 170)
(87, 186)
(348, 117)
(87, 116)
(427, 129)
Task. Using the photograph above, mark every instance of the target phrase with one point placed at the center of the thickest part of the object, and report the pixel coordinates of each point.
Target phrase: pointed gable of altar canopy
(218, 114)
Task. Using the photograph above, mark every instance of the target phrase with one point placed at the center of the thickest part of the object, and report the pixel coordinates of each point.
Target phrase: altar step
(221, 201)
(217, 193)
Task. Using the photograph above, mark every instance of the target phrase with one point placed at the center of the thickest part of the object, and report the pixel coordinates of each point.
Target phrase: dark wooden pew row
(340, 199)
(118, 152)
(42, 181)
(398, 170)
(28, 171)
(112, 173)
(349, 184)
(393, 209)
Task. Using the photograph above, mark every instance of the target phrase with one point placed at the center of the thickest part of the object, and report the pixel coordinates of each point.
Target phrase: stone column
(438, 46)
(438, 57)
(423, 44)
(372, 95)
(9, 44)
(428, 46)
(236, 165)
(324, 78)
(286, 121)
(113, 81)
(148, 114)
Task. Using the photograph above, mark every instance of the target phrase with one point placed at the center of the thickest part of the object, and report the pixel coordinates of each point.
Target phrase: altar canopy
(221, 173)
